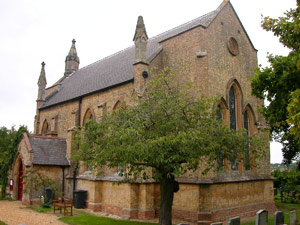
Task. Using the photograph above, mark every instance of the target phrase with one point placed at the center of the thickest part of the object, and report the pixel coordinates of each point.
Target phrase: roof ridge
(152, 38)
(46, 137)
(182, 25)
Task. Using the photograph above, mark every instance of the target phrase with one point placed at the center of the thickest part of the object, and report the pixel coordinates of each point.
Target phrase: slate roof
(117, 68)
(49, 151)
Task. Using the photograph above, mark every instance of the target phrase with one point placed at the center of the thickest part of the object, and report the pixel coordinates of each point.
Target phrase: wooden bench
(65, 204)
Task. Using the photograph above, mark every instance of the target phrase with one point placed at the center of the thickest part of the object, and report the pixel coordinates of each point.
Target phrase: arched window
(222, 162)
(247, 152)
(232, 108)
(233, 119)
(219, 113)
(45, 128)
(89, 115)
(248, 126)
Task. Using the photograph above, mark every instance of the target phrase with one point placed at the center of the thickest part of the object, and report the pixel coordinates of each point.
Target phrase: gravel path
(14, 213)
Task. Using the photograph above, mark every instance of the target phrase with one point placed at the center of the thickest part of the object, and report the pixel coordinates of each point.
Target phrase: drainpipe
(63, 180)
(76, 166)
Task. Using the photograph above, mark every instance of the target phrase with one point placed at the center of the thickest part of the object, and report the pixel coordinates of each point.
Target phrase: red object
(20, 183)
(11, 184)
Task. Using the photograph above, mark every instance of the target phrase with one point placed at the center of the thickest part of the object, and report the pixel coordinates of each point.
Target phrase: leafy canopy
(9, 141)
(280, 83)
(169, 130)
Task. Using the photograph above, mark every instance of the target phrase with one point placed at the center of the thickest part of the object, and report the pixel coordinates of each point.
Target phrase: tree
(9, 141)
(34, 180)
(165, 133)
(278, 82)
(294, 113)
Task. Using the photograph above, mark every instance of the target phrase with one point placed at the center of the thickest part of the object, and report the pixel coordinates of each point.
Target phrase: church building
(219, 58)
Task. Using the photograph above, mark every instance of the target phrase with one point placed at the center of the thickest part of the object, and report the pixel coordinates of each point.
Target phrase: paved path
(14, 213)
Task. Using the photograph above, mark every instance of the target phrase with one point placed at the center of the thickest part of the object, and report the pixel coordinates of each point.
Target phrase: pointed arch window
(89, 115)
(45, 128)
(219, 113)
(232, 108)
(221, 116)
(248, 125)
(247, 152)
(233, 119)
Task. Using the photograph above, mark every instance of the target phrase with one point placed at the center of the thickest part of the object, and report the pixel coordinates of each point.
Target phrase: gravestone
(234, 221)
(293, 217)
(278, 218)
(262, 217)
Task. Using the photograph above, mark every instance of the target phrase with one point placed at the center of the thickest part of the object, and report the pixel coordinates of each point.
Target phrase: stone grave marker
(278, 218)
(293, 217)
(262, 217)
(234, 221)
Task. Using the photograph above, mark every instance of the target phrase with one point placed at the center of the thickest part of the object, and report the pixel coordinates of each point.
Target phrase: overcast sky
(32, 31)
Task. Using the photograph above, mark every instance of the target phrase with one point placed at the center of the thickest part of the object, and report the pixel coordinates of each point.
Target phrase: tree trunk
(166, 200)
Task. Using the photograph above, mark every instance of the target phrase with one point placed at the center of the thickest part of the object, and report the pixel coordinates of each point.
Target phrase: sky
(32, 31)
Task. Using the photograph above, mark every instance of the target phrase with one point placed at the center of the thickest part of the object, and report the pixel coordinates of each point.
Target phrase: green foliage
(40, 209)
(2, 223)
(9, 141)
(277, 82)
(289, 181)
(87, 219)
(168, 131)
(294, 114)
(37, 181)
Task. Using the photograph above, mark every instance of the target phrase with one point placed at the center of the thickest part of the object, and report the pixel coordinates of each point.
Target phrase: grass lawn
(87, 219)
(83, 218)
(40, 208)
(2, 223)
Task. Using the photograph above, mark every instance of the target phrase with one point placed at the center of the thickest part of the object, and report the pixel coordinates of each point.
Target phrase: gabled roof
(48, 151)
(118, 68)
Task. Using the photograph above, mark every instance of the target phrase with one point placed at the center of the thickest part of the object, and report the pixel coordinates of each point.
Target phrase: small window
(45, 128)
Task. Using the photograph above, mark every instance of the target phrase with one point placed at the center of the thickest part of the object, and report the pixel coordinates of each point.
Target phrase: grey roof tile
(117, 68)
(49, 151)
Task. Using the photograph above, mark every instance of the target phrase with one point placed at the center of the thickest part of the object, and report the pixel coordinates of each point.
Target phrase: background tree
(167, 132)
(277, 82)
(9, 141)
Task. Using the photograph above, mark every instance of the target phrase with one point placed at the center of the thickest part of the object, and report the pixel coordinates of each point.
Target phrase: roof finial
(72, 60)
(140, 40)
(42, 83)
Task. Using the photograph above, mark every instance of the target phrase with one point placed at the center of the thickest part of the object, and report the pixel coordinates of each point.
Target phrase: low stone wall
(193, 202)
